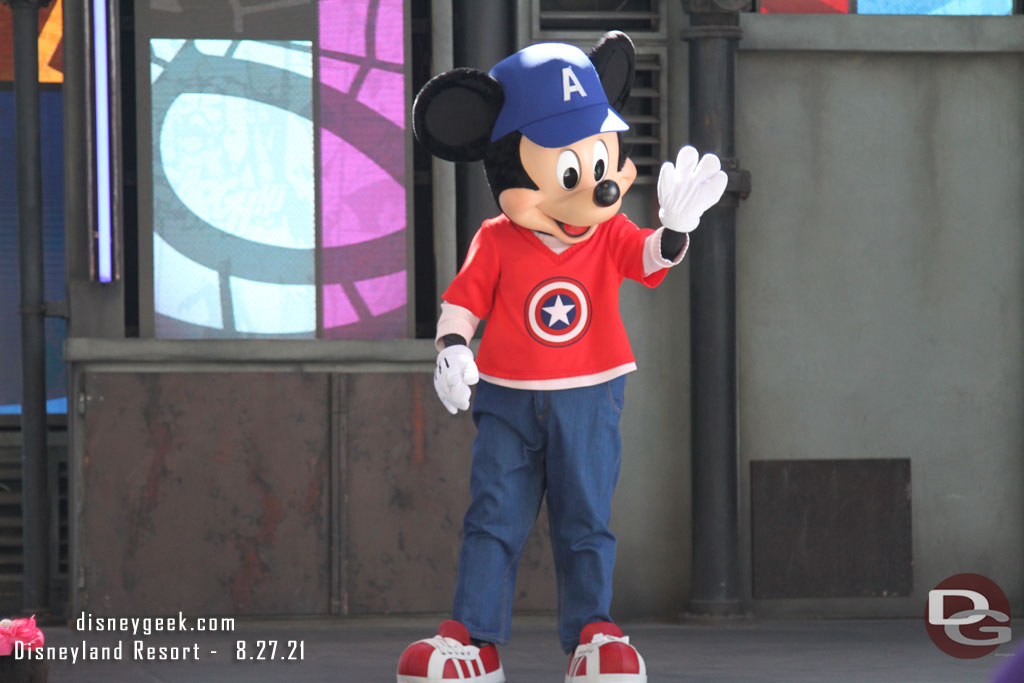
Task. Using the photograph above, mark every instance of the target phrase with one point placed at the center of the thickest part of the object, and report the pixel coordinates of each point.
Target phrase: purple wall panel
(362, 157)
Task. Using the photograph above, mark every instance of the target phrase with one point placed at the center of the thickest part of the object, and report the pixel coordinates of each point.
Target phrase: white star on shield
(558, 312)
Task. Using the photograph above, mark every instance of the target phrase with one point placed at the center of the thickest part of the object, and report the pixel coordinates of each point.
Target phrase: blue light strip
(104, 226)
(56, 406)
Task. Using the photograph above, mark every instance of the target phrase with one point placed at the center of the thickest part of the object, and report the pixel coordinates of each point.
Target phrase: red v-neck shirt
(551, 316)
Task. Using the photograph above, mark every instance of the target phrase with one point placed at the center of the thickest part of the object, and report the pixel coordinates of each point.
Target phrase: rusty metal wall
(205, 493)
(262, 493)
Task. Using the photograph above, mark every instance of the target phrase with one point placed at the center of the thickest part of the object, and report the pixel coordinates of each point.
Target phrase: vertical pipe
(484, 31)
(445, 217)
(76, 256)
(715, 588)
(35, 493)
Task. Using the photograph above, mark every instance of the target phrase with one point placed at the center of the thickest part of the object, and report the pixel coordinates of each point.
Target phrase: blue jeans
(566, 444)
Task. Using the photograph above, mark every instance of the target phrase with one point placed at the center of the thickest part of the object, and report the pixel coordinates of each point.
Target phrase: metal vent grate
(581, 22)
(645, 112)
(10, 516)
(11, 544)
(631, 16)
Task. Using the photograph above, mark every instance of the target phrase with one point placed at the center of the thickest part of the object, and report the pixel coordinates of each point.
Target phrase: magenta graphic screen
(278, 163)
(362, 167)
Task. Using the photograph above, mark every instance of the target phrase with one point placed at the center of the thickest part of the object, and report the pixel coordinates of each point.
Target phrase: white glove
(688, 189)
(455, 373)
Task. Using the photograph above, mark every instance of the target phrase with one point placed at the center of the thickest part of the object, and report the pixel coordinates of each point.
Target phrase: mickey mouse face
(545, 123)
(577, 187)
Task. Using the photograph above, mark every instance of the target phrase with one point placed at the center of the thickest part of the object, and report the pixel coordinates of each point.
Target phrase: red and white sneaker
(604, 655)
(449, 656)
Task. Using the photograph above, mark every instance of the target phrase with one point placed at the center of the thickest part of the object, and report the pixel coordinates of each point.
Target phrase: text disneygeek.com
(139, 649)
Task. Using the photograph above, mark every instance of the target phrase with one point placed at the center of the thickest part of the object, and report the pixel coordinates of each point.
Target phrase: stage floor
(366, 650)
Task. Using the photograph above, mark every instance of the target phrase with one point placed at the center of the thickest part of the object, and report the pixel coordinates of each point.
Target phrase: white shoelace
(597, 641)
(584, 650)
(449, 647)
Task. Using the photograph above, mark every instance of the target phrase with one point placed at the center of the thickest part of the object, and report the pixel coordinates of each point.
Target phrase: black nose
(606, 193)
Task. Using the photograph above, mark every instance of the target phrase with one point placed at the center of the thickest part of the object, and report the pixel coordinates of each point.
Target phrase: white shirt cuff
(455, 320)
(653, 260)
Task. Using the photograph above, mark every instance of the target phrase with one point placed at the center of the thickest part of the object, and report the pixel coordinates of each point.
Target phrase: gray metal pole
(35, 501)
(715, 585)
(484, 33)
(76, 119)
(443, 190)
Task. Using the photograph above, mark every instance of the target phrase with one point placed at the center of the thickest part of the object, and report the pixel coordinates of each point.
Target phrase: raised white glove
(456, 372)
(688, 189)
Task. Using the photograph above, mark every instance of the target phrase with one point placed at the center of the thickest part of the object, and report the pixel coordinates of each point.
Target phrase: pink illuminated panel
(362, 166)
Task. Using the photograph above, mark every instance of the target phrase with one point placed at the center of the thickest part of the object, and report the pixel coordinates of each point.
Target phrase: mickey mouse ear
(454, 114)
(614, 57)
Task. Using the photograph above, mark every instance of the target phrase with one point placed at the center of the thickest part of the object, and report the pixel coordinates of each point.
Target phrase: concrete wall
(880, 272)
(880, 285)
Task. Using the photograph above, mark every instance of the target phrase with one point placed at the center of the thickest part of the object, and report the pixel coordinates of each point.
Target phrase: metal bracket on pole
(738, 187)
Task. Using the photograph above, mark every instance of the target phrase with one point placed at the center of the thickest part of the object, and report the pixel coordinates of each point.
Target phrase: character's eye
(568, 169)
(600, 159)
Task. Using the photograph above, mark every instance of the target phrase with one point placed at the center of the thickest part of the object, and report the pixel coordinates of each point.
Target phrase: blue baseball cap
(553, 95)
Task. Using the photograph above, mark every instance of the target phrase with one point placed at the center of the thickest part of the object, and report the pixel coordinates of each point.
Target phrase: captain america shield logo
(558, 312)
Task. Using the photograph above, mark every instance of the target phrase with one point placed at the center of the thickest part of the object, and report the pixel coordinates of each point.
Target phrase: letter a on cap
(570, 84)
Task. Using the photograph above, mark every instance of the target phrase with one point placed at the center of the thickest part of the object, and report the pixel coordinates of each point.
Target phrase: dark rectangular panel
(831, 528)
(11, 506)
(202, 18)
(206, 493)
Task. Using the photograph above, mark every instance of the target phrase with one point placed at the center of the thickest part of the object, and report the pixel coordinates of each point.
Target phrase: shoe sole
(493, 677)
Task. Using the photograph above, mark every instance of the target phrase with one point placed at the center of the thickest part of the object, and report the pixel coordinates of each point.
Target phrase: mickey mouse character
(551, 369)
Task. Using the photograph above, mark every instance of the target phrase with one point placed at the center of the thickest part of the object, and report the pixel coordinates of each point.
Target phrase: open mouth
(573, 230)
